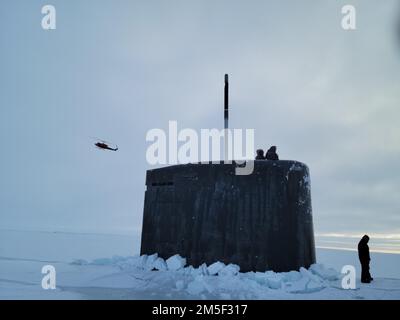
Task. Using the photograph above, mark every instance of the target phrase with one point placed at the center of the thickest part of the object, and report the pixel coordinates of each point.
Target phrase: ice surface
(291, 276)
(229, 270)
(79, 262)
(196, 287)
(274, 282)
(216, 267)
(175, 262)
(83, 275)
(180, 284)
(201, 270)
(327, 274)
(160, 264)
(150, 262)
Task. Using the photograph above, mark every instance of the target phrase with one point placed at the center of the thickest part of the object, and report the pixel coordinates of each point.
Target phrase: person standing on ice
(363, 255)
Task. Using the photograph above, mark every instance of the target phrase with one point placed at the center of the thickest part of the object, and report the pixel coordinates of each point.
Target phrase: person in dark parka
(363, 255)
(271, 154)
(260, 154)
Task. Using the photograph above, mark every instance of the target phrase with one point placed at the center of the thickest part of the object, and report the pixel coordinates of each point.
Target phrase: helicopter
(101, 144)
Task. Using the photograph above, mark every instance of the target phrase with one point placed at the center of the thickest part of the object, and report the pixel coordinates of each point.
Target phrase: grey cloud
(326, 97)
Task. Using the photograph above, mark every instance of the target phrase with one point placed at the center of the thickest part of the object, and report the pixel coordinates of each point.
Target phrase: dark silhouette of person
(363, 255)
(271, 154)
(260, 154)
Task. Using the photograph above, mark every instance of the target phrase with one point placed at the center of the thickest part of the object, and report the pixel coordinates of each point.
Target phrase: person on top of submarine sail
(260, 154)
(271, 154)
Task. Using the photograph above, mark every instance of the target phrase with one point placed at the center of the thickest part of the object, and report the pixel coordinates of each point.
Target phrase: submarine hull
(207, 213)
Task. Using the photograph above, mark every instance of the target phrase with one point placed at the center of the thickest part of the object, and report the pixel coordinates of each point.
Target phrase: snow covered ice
(175, 262)
(215, 268)
(83, 274)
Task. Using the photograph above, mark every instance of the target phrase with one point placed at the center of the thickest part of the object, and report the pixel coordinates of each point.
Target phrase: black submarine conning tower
(206, 213)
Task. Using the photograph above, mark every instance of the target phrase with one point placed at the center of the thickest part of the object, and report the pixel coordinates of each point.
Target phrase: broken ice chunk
(175, 262)
(215, 268)
(229, 270)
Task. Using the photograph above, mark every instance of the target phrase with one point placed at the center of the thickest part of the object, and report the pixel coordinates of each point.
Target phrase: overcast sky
(116, 69)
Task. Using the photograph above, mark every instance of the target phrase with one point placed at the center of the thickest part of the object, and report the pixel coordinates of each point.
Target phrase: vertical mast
(226, 116)
(226, 102)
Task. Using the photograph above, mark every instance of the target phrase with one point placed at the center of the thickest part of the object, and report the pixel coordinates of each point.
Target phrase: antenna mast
(226, 115)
